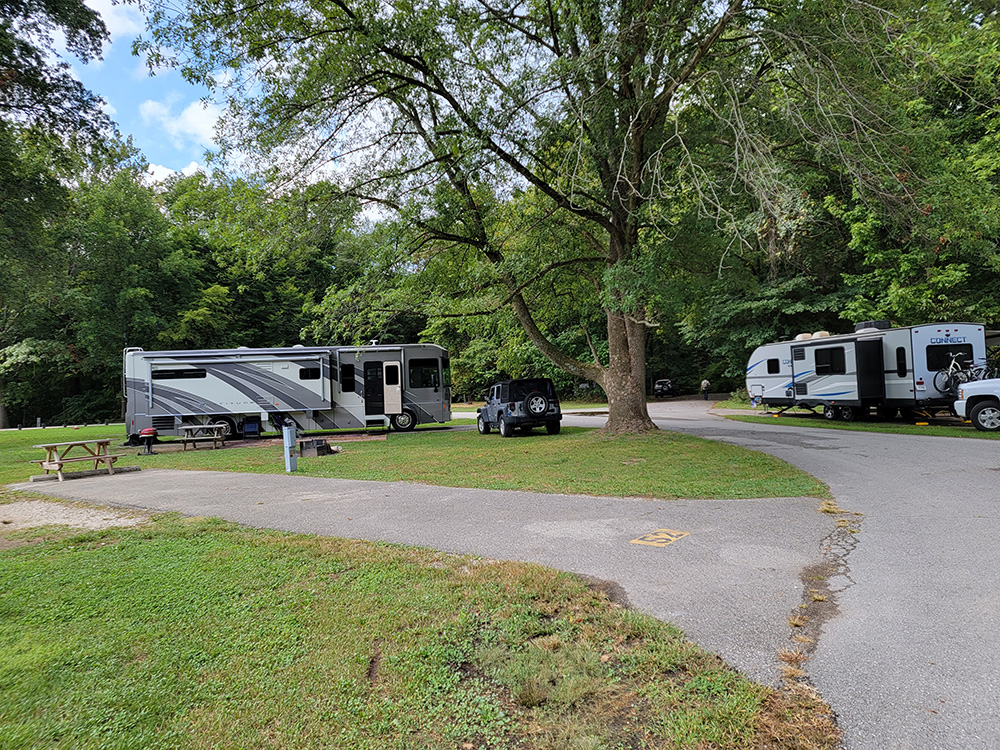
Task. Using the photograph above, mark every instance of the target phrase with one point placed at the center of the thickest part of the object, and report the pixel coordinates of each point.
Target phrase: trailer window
(309, 373)
(184, 374)
(939, 355)
(901, 361)
(347, 378)
(830, 361)
(424, 373)
(773, 366)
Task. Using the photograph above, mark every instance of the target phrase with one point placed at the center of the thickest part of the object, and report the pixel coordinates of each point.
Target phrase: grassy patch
(892, 428)
(198, 633)
(577, 461)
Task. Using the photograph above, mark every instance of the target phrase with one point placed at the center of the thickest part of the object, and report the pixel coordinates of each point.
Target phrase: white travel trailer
(317, 388)
(877, 366)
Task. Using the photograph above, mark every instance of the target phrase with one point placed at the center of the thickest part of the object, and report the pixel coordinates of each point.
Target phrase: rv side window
(773, 366)
(178, 374)
(901, 361)
(392, 375)
(939, 355)
(424, 373)
(830, 361)
(309, 373)
(446, 371)
(347, 378)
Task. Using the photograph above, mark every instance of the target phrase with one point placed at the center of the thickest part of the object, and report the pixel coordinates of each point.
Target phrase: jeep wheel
(985, 416)
(506, 428)
(483, 425)
(552, 428)
(536, 404)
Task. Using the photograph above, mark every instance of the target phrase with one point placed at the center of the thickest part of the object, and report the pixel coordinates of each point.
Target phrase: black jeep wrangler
(527, 403)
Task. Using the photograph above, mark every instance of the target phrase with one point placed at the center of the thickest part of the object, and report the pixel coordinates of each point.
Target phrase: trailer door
(392, 392)
(871, 370)
(374, 388)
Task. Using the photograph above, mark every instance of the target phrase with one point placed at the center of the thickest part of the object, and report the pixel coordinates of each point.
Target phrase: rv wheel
(230, 426)
(847, 413)
(831, 412)
(404, 422)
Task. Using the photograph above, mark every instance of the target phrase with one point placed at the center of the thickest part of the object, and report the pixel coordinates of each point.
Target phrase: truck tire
(830, 413)
(985, 416)
(552, 428)
(483, 426)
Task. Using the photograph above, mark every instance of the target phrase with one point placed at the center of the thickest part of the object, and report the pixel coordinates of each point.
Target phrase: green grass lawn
(577, 461)
(892, 428)
(196, 633)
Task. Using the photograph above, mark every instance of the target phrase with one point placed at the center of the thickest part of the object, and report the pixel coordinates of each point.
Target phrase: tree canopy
(628, 121)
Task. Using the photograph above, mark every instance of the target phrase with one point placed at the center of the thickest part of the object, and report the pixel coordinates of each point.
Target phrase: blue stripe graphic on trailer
(754, 365)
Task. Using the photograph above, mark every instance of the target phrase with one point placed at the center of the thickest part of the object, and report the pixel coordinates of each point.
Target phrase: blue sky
(164, 114)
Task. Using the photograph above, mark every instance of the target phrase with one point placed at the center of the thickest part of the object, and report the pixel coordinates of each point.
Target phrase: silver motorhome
(877, 366)
(316, 388)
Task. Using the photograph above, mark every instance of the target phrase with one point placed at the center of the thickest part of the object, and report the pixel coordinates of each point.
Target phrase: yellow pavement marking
(660, 537)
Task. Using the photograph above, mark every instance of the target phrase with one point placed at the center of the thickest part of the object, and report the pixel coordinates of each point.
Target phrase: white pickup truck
(979, 401)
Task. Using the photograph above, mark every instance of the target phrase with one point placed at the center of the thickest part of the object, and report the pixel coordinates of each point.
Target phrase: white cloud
(121, 20)
(195, 124)
(160, 173)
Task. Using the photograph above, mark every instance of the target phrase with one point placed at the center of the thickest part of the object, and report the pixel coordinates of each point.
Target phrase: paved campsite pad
(730, 583)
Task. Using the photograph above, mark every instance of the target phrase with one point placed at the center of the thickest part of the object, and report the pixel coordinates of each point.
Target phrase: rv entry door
(393, 390)
(374, 389)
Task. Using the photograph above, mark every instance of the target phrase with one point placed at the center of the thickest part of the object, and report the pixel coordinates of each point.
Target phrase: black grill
(163, 423)
(801, 389)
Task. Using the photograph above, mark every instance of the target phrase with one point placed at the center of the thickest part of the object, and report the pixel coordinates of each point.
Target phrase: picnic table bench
(97, 452)
(203, 433)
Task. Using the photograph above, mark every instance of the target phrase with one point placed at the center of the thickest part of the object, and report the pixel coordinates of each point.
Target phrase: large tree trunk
(625, 379)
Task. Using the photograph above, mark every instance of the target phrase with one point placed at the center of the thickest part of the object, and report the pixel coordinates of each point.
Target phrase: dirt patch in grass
(21, 515)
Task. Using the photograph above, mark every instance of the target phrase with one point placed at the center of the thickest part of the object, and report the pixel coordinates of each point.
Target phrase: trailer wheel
(831, 413)
(847, 413)
(403, 422)
(483, 425)
(985, 416)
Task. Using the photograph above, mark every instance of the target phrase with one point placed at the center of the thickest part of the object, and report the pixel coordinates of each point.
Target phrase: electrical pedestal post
(291, 460)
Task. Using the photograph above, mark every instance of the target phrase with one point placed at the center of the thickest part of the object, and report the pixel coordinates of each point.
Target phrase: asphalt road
(910, 658)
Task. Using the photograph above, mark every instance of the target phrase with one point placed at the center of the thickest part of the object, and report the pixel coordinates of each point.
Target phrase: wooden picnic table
(202, 433)
(96, 449)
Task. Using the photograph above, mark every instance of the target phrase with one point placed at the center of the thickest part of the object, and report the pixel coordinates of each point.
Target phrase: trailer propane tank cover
(291, 460)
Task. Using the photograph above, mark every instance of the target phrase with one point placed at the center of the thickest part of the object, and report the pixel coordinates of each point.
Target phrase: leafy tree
(439, 109)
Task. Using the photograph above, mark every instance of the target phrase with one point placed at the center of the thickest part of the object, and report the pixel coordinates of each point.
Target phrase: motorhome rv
(877, 366)
(316, 388)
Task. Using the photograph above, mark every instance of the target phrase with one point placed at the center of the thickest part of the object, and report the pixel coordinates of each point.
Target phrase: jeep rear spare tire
(535, 404)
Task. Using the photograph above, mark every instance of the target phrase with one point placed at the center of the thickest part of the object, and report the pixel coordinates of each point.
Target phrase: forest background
(97, 258)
